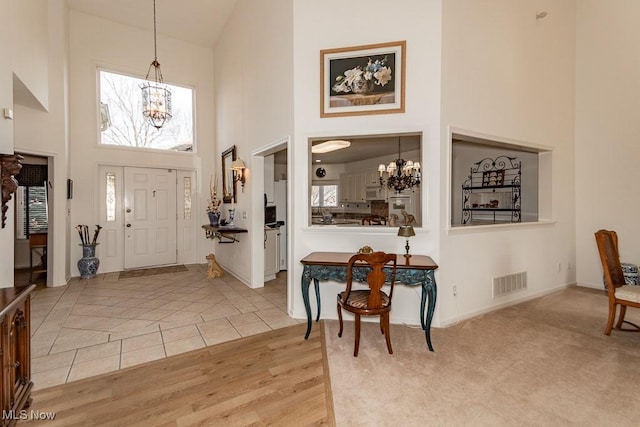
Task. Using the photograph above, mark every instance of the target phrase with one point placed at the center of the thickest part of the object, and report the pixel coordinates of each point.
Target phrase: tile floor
(90, 327)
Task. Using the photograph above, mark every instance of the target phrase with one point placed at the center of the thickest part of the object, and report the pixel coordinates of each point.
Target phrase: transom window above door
(121, 122)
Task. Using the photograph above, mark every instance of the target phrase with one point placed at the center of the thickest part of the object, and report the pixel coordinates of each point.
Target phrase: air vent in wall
(504, 285)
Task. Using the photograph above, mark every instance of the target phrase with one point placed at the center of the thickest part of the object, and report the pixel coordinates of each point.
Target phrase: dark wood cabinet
(15, 352)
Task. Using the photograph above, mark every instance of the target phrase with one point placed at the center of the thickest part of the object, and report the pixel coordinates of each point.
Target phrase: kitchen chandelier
(400, 174)
(156, 96)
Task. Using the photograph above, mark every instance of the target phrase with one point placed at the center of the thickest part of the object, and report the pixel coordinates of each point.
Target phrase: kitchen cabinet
(281, 216)
(345, 187)
(271, 253)
(372, 178)
(359, 189)
(353, 187)
(15, 346)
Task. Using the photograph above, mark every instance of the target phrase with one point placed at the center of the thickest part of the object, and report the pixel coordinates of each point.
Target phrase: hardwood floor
(275, 378)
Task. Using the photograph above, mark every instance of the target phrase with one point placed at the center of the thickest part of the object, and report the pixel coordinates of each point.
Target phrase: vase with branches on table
(213, 207)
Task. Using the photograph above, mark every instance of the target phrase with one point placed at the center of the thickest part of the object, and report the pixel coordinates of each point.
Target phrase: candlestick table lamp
(406, 231)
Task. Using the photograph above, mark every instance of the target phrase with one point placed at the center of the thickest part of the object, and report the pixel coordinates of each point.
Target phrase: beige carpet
(545, 362)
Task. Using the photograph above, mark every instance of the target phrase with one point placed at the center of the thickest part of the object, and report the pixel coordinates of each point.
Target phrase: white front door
(149, 217)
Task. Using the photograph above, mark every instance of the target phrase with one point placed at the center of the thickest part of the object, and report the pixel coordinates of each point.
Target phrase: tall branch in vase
(213, 207)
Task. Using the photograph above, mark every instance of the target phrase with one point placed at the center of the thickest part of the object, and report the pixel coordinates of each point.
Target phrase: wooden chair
(374, 220)
(372, 301)
(619, 293)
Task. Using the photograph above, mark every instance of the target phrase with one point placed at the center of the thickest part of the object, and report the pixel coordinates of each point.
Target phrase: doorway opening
(32, 219)
(272, 164)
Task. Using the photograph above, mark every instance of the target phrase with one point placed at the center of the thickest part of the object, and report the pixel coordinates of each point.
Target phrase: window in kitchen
(121, 121)
(324, 196)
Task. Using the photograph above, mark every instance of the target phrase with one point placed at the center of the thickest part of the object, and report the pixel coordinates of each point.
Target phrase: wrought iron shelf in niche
(491, 193)
(223, 234)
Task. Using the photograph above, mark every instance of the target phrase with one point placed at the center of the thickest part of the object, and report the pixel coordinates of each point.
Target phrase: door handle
(128, 210)
(128, 225)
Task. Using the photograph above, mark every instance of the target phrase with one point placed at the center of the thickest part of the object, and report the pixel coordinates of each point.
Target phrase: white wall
(509, 75)
(6, 133)
(97, 42)
(607, 128)
(32, 40)
(6, 94)
(29, 32)
(254, 108)
(333, 24)
(46, 133)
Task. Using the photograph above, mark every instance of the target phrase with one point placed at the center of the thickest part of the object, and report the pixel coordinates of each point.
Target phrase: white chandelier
(156, 96)
(400, 174)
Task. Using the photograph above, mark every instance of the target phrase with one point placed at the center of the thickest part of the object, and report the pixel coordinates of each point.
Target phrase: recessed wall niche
(497, 182)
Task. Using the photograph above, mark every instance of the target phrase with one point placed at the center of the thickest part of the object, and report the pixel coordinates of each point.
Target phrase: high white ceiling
(195, 21)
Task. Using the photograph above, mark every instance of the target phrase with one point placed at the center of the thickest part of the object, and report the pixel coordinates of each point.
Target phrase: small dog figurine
(408, 218)
(213, 268)
(393, 220)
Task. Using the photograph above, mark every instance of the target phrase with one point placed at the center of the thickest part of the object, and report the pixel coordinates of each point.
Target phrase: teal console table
(418, 270)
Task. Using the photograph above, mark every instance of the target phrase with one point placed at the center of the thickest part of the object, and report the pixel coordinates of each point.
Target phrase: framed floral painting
(360, 80)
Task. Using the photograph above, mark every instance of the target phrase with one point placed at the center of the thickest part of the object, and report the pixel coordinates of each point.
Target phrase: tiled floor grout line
(75, 355)
(44, 319)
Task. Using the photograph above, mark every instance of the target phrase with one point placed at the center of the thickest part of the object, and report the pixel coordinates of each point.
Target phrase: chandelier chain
(155, 39)
(156, 96)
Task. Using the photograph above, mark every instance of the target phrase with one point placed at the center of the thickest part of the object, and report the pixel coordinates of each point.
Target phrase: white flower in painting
(368, 75)
(383, 75)
(352, 74)
(342, 87)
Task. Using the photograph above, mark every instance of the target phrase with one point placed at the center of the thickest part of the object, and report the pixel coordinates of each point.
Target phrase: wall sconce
(406, 231)
(238, 167)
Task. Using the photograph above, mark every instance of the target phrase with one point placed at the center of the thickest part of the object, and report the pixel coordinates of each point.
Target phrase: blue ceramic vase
(214, 218)
(88, 264)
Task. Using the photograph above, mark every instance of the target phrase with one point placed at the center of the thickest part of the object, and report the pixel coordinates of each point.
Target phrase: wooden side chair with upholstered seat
(372, 301)
(619, 293)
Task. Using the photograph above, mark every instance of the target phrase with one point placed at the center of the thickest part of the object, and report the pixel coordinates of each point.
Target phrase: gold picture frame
(359, 80)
